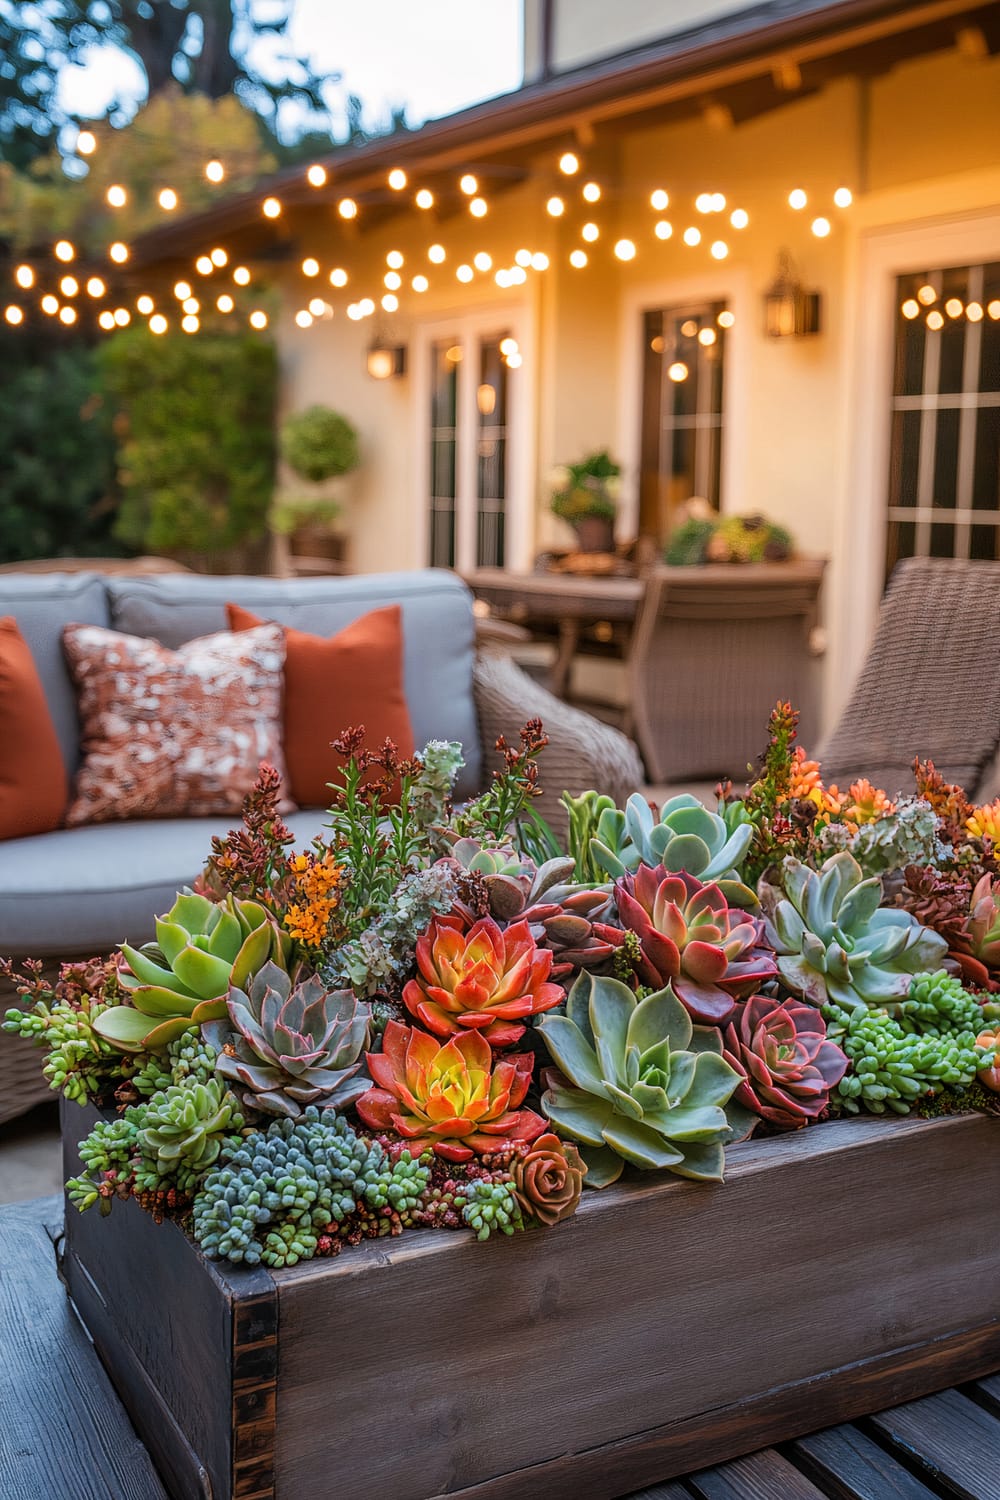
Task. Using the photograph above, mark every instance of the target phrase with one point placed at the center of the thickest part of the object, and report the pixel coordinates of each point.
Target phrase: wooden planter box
(668, 1326)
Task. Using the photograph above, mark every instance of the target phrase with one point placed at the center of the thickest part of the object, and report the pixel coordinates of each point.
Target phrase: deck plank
(753, 1477)
(65, 1434)
(955, 1443)
(986, 1393)
(847, 1465)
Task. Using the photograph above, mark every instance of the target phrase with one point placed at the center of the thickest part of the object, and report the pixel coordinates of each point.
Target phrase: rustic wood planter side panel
(666, 1327)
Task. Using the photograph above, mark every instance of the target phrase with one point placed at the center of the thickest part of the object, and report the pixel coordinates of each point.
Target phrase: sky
(433, 56)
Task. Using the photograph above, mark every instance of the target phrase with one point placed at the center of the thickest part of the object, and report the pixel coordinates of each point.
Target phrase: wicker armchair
(931, 683)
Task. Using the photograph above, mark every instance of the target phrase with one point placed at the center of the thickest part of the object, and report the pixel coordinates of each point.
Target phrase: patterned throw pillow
(173, 733)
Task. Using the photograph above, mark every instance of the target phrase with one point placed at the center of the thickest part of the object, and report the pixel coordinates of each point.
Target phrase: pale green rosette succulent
(641, 1084)
(834, 940)
(686, 836)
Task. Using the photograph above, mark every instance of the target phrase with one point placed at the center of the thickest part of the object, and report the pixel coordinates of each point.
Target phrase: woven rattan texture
(931, 683)
(21, 1082)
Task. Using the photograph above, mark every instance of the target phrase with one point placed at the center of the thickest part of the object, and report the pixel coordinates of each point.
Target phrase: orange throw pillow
(332, 683)
(33, 782)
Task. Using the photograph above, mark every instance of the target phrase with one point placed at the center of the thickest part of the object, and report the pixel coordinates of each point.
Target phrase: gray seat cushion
(83, 891)
(438, 628)
(42, 603)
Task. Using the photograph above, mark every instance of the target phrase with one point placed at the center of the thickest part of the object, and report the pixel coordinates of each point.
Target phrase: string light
(182, 290)
(523, 258)
(910, 308)
(338, 276)
(241, 275)
(347, 208)
(518, 275)
(926, 295)
(13, 314)
(63, 250)
(316, 176)
(319, 308)
(974, 312)
(420, 283)
(820, 227)
(703, 203)
(95, 286)
(482, 261)
(219, 257)
(190, 324)
(392, 280)
(390, 302)
(225, 303)
(167, 199)
(394, 259)
(539, 261)
(69, 286)
(118, 252)
(706, 337)
(591, 192)
(106, 321)
(310, 266)
(270, 208)
(122, 317)
(191, 305)
(436, 253)
(425, 198)
(555, 206)
(692, 235)
(203, 265)
(477, 208)
(843, 197)
(145, 305)
(367, 307)
(508, 346)
(678, 371)
(304, 318)
(578, 258)
(569, 163)
(158, 324)
(67, 315)
(86, 143)
(993, 309)
(465, 273)
(116, 195)
(935, 321)
(797, 199)
(503, 278)
(515, 360)
(590, 232)
(663, 229)
(468, 184)
(50, 304)
(214, 170)
(953, 307)
(397, 179)
(719, 250)
(625, 250)
(659, 200)
(739, 218)
(25, 277)
(258, 318)
(726, 319)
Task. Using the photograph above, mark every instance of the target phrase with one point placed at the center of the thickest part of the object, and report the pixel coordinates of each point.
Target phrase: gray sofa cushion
(82, 891)
(42, 603)
(438, 629)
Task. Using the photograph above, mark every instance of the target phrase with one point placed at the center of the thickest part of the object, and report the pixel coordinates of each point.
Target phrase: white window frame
(467, 327)
(731, 286)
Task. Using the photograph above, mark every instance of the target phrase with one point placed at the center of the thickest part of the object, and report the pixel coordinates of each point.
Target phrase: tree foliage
(196, 437)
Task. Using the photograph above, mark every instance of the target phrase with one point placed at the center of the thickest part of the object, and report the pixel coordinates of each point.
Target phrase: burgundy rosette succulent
(548, 1179)
(710, 953)
(789, 1066)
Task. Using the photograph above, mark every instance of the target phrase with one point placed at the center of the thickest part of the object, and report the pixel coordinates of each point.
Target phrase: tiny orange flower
(984, 822)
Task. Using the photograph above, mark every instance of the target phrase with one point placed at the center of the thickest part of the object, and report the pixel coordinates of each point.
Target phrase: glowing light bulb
(214, 170)
(310, 266)
(14, 315)
(86, 143)
(993, 309)
(182, 290)
(974, 312)
(820, 227)
(304, 318)
(167, 199)
(659, 200)
(523, 258)
(692, 236)
(517, 275)
(392, 280)
(190, 323)
(556, 207)
(316, 176)
(50, 304)
(465, 273)
(390, 302)
(726, 319)
(569, 163)
(116, 195)
(367, 307)
(106, 321)
(203, 265)
(118, 253)
(318, 307)
(578, 258)
(394, 259)
(122, 317)
(910, 308)
(719, 250)
(420, 283)
(478, 208)
(592, 192)
(703, 203)
(508, 346)
(482, 261)
(145, 305)
(258, 318)
(718, 202)
(219, 257)
(397, 179)
(678, 371)
(706, 337)
(424, 198)
(25, 277)
(663, 229)
(95, 286)
(843, 197)
(739, 218)
(935, 321)
(539, 261)
(797, 199)
(926, 295)
(347, 208)
(67, 315)
(225, 303)
(468, 184)
(590, 233)
(241, 276)
(515, 360)
(270, 208)
(953, 307)
(354, 312)
(191, 305)
(69, 286)
(436, 254)
(63, 250)
(503, 278)
(158, 324)
(338, 276)
(625, 250)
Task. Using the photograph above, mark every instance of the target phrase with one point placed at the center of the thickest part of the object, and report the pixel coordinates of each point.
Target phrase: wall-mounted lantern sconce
(790, 312)
(386, 361)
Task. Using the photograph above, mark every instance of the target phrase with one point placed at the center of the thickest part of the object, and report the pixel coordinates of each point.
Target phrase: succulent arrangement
(435, 1017)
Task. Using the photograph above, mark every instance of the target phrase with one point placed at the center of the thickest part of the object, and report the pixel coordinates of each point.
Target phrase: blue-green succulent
(685, 836)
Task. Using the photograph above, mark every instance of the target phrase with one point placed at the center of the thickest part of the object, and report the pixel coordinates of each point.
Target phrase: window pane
(901, 542)
(683, 395)
(491, 453)
(905, 457)
(986, 472)
(945, 457)
(984, 542)
(954, 289)
(989, 354)
(444, 398)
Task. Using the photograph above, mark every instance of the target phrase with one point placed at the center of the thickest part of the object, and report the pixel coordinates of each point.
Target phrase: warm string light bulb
(556, 207)
(95, 287)
(692, 235)
(67, 315)
(225, 303)
(590, 232)
(625, 250)
(478, 208)
(420, 283)
(190, 323)
(203, 265)
(86, 143)
(347, 208)
(739, 218)
(241, 275)
(797, 199)
(118, 253)
(569, 163)
(69, 286)
(392, 280)
(468, 184)
(464, 273)
(539, 261)
(182, 290)
(397, 179)
(258, 318)
(304, 318)
(106, 321)
(482, 261)
(191, 305)
(116, 195)
(578, 258)
(167, 199)
(338, 276)
(390, 302)
(316, 176)
(820, 227)
(394, 260)
(214, 170)
(591, 192)
(63, 250)
(719, 250)
(25, 277)
(522, 258)
(122, 317)
(145, 305)
(158, 324)
(425, 198)
(659, 200)
(436, 254)
(219, 257)
(310, 266)
(843, 197)
(663, 229)
(270, 208)
(50, 304)
(14, 315)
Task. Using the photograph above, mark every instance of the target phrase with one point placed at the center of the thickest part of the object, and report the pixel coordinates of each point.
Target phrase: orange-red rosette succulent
(481, 979)
(453, 1098)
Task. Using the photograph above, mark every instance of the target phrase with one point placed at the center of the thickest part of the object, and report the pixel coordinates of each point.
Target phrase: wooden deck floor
(65, 1436)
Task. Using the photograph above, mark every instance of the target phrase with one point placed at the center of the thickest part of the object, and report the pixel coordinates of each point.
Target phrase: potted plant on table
(318, 445)
(586, 495)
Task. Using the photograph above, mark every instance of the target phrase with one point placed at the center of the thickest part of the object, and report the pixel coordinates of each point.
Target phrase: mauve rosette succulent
(711, 954)
(453, 1098)
(548, 1179)
(978, 951)
(481, 979)
(788, 1064)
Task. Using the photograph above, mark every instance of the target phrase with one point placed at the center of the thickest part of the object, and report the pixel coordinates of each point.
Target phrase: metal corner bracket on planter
(667, 1326)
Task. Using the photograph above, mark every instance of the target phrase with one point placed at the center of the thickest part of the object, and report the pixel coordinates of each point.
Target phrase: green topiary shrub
(197, 451)
(319, 444)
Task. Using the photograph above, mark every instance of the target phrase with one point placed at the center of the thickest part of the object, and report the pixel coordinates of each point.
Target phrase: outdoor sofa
(77, 892)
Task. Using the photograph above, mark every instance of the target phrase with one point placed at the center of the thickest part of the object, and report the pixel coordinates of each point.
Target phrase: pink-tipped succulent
(710, 953)
(788, 1065)
(978, 951)
(480, 979)
(453, 1098)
